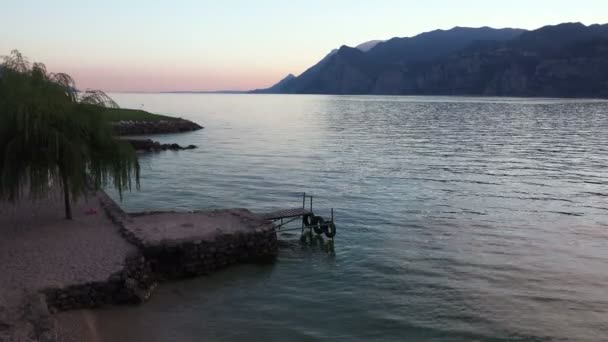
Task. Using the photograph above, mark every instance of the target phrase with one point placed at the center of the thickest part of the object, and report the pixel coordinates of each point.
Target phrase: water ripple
(460, 219)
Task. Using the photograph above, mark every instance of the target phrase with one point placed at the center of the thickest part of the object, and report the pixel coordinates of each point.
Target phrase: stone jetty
(127, 127)
(186, 244)
(149, 145)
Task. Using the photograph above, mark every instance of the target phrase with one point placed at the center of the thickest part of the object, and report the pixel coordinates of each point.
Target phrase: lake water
(459, 219)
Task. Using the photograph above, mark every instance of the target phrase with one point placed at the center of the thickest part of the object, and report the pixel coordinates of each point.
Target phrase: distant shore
(127, 127)
(139, 122)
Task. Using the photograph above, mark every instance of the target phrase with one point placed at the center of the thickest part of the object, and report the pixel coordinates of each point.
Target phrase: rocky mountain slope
(566, 60)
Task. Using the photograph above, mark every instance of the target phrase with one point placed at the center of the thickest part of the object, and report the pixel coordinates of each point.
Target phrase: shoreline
(145, 127)
(149, 145)
(158, 247)
(130, 123)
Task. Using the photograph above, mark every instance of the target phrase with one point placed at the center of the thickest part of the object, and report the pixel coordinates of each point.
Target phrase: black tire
(317, 224)
(308, 219)
(330, 230)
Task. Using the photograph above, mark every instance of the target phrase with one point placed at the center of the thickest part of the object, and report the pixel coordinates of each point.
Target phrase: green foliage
(51, 135)
(120, 114)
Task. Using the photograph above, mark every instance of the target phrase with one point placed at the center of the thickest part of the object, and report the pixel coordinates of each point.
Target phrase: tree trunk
(66, 198)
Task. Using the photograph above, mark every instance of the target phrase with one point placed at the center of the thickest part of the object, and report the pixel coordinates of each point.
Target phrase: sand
(41, 249)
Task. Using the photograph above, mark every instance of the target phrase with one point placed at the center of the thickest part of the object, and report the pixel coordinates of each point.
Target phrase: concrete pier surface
(105, 256)
(177, 227)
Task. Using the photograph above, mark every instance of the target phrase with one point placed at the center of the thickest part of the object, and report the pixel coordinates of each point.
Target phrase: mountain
(368, 45)
(283, 85)
(277, 88)
(563, 60)
(353, 71)
(567, 60)
(431, 45)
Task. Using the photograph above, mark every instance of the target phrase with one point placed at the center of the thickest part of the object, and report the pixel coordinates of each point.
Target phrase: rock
(4, 326)
(150, 145)
(155, 127)
(131, 283)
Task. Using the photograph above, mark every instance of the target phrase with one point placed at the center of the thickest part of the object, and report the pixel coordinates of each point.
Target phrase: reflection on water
(458, 218)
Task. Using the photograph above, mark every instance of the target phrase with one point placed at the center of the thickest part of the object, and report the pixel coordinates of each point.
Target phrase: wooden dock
(310, 221)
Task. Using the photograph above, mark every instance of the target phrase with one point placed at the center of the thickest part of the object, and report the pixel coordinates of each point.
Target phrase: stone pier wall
(164, 260)
(119, 217)
(194, 258)
(154, 127)
(132, 285)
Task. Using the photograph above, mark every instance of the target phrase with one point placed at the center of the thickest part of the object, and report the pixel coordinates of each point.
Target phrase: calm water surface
(459, 219)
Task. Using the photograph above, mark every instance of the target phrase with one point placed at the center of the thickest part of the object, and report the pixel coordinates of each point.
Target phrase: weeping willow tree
(53, 136)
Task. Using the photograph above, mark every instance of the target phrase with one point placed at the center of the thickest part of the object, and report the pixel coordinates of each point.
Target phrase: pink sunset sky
(187, 45)
(120, 79)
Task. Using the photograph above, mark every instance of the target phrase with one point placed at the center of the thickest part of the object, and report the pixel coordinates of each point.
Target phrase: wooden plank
(284, 213)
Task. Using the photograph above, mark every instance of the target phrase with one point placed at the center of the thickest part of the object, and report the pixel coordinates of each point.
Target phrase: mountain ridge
(568, 59)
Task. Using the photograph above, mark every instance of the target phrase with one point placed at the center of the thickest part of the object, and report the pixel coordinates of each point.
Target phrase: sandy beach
(51, 264)
(40, 249)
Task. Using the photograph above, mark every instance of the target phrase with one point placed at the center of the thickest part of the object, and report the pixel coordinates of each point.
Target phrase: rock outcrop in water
(154, 127)
(566, 60)
(150, 145)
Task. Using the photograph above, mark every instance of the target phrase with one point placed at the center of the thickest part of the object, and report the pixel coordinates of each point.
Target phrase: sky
(181, 45)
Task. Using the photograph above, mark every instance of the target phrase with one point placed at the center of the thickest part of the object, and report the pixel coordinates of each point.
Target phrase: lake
(459, 219)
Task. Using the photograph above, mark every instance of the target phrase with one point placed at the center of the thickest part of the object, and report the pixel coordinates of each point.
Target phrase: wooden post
(303, 207)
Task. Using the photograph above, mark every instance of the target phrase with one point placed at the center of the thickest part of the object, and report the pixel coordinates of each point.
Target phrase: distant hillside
(283, 85)
(206, 92)
(277, 88)
(566, 60)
